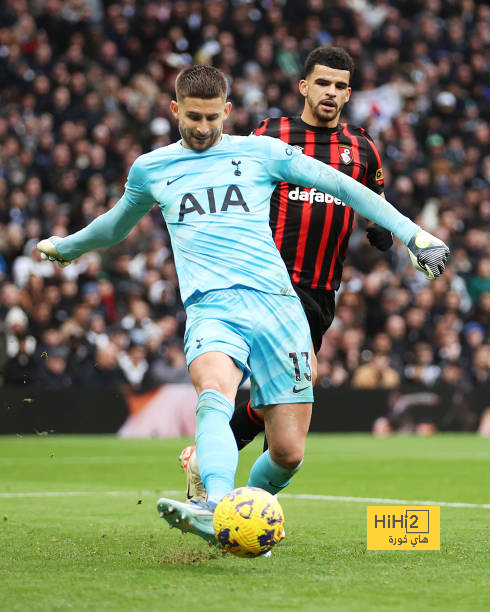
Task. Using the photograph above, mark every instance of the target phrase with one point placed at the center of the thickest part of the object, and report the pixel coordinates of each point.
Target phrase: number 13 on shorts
(301, 364)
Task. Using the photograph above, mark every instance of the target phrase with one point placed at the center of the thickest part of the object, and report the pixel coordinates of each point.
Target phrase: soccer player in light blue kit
(243, 316)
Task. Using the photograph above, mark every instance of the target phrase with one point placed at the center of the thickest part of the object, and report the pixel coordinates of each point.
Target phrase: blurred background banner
(47, 411)
(169, 411)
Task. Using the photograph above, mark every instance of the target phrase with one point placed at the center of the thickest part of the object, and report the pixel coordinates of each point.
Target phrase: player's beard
(321, 114)
(196, 142)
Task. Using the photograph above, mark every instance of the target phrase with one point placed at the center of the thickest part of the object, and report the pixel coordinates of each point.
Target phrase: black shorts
(319, 307)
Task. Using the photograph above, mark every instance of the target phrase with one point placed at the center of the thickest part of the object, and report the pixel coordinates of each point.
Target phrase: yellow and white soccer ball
(248, 522)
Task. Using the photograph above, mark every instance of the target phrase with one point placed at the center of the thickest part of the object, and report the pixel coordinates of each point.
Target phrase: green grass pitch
(86, 536)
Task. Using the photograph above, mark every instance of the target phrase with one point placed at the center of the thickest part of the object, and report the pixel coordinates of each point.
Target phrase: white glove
(48, 250)
(428, 254)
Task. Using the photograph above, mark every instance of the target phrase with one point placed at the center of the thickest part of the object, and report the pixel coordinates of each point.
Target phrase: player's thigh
(286, 427)
(280, 356)
(216, 350)
(216, 371)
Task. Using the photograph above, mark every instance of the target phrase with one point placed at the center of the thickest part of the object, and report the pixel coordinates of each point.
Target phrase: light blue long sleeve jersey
(216, 206)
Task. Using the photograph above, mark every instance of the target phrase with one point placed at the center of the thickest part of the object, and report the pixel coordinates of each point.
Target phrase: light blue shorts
(267, 336)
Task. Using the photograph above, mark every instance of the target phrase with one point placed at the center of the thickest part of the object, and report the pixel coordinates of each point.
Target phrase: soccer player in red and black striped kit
(312, 229)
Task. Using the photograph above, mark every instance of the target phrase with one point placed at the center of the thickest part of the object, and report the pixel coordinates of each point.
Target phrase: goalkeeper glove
(47, 248)
(379, 237)
(428, 254)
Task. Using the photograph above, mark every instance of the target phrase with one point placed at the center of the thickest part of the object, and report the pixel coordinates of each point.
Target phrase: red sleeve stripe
(327, 224)
(262, 128)
(305, 215)
(283, 191)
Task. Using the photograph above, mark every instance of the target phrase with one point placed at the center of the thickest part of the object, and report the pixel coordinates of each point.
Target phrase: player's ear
(174, 107)
(349, 91)
(227, 109)
(303, 87)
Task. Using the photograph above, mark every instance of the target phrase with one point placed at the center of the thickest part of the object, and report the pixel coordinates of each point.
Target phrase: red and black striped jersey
(312, 229)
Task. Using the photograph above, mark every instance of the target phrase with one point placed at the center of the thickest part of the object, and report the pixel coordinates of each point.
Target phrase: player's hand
(428, 254)
(48, 250)
(379, 237)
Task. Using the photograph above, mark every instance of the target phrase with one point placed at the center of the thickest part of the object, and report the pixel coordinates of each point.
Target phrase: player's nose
(202, 127)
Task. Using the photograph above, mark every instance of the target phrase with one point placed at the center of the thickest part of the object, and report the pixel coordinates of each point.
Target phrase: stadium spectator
(105, 373)
(377, 374)
(52, 373)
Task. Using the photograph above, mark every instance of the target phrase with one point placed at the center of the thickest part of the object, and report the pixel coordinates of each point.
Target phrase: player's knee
(212, 384)
(288, 457)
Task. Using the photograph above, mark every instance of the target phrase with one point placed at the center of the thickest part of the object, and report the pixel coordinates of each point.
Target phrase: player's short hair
(333, 57)
(201, 81)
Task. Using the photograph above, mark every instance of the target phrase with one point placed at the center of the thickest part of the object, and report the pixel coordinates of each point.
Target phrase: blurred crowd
(85, 87)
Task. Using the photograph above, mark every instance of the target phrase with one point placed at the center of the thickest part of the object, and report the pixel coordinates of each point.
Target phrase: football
(248, 522)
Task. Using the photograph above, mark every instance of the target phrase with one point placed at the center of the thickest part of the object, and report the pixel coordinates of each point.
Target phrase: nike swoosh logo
(299, 390)
(278, 486)
(169, 182)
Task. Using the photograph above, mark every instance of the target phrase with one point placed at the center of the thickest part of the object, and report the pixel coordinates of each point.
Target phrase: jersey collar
(314, 128)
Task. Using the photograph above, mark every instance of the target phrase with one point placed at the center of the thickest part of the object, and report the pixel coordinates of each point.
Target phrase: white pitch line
(381, 500)
(85, 493)
(334, 498)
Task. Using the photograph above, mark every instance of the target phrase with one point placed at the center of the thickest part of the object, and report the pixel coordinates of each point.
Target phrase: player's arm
(287, 164)
(378, 236)
(108, 229)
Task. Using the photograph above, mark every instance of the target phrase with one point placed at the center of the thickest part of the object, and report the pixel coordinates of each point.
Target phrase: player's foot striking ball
(248, 522)
(196, 518)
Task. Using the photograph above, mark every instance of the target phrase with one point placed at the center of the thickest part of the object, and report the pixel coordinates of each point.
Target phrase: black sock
(245, 425)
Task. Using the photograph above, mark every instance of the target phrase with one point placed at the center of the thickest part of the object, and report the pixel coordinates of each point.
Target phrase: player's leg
(313, 380)
(246, 423)
(280, 361)
(319, 308)
(217, 355)
(286, 427)
(216, 378)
